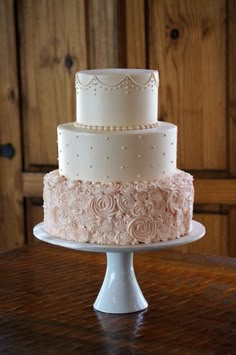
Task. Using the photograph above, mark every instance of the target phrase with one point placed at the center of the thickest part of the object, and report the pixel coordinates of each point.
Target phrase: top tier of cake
(117, 98)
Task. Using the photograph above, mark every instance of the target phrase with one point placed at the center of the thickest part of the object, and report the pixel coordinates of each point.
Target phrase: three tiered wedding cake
(117, 181)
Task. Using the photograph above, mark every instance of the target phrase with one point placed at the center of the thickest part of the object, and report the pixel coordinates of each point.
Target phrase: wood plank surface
(103, 30)
(47, 294)
(135, 30)
(53, 48)
(215, 191)
(11, 197)
(33, 184)
(187, 43)
(215, 242)
(231, 77)
(34, 215)
(232, 232)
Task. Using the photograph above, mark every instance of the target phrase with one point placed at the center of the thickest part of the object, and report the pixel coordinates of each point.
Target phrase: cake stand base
(120, 292)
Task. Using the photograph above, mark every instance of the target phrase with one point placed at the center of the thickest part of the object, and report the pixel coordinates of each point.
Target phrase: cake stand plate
(120, 291)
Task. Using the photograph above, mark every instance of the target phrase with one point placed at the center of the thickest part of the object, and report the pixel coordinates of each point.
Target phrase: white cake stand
(120, 291)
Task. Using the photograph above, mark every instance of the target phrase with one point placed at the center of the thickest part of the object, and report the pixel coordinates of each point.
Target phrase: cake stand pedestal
(120, 291)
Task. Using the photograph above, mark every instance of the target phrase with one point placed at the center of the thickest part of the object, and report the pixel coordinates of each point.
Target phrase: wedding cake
(117, 181)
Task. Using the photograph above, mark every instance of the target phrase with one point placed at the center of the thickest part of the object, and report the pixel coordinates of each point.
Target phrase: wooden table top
(47, 292)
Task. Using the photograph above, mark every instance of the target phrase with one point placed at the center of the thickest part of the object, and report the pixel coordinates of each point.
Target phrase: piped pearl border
(116, 128)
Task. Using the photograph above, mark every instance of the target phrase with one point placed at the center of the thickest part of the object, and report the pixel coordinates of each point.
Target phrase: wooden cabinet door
(190, 42)
(12, 233)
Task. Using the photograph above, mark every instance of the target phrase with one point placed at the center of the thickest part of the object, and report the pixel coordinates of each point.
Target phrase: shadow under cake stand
(120, 291)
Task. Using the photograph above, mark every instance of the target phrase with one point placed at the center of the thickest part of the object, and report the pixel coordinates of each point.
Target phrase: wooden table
(47, 292)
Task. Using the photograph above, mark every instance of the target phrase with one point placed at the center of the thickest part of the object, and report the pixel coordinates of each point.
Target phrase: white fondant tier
(117, 97)
(95, 155)
(118, 213)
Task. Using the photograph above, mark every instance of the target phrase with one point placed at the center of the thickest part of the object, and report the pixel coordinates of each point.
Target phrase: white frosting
(117, 181)
(123, 156)
(117, 97)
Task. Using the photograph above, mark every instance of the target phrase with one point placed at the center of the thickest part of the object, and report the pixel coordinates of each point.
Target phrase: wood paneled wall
(187, 42)
(11, 194)
(191, 43)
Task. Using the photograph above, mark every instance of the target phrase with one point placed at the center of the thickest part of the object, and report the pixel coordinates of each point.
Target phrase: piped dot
(77, 155)
(90, 166)
(138, 175)
(163, 153)
(139, 155)
(107, 176)
(140, 137)
(106, 158)
(153, 146)
(164, 135)
(67, 145)
(91, 147)
(172, 162)
(107, 138)
(123, 147)
(122, 167)
(77, 137)
(172, 143)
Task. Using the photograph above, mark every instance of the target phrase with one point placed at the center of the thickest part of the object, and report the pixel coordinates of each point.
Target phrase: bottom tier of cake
(118, 213)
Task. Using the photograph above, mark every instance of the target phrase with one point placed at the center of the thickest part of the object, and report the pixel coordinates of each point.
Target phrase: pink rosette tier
(118, 213)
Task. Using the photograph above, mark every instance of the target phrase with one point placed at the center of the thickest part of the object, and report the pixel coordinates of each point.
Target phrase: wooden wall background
(193, 45)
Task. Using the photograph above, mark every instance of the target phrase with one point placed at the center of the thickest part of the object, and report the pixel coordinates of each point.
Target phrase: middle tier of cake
(125, 156)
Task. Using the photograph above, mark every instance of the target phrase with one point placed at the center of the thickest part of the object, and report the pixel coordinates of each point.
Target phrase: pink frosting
(118, 213)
